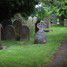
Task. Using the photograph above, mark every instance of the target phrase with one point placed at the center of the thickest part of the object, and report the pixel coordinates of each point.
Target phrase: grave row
(16, 31)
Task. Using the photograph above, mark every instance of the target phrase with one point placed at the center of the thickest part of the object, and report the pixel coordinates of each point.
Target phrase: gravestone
(40, 37)
(47, 21)
(0, 31)
(9, 32)
(65, 22)
(53, 18)
(1, 47)
(18, 28)
(24, 34)
(2, 34)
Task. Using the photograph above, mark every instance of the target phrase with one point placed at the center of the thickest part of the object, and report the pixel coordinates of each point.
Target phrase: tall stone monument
(24, 33)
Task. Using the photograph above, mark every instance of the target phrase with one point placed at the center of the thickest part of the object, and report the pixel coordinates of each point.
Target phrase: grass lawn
(27, 54)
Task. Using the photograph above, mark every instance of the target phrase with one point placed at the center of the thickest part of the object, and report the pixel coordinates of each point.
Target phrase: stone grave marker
(18, 28)
(24, 34)
(9, 32)
(0, 31)
(40, 37)
(65, 22)
(53, 18)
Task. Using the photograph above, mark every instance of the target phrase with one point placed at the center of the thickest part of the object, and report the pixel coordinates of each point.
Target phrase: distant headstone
(2, 34)
(53, 18)
(47, 21)
(24, 34)
(65, 22)
(18, 28)
(0, 31)
(9, 32)
(40, 37)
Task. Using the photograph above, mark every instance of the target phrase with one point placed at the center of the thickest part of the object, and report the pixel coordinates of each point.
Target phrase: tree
(59, 7)
(10, 7)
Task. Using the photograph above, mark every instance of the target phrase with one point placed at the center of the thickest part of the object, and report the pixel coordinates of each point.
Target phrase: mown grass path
(60, 57)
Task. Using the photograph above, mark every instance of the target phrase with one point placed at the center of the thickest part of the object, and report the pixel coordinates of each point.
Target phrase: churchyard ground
(27, 54)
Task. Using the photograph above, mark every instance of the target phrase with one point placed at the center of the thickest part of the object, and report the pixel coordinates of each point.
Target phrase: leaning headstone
(24, 34)
(9, 32)
(65, 22)
(18, 28)
(40, 37)
(0, 31)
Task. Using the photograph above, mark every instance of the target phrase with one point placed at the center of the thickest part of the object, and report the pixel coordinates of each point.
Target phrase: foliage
(43, 11)
(57, 6)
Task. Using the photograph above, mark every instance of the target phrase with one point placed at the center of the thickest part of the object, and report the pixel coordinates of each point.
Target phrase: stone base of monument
(1, 47)
(39, 42)
(65, 22)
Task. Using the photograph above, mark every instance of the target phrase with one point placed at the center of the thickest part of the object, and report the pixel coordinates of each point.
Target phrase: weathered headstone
(18, 28)
(47, 21)
(0, 31)
(9, 32)
(40, 37)
(65, 22)
(53, 18)
(24, 34)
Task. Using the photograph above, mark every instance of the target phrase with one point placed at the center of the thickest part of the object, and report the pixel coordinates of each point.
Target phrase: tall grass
(27, 54)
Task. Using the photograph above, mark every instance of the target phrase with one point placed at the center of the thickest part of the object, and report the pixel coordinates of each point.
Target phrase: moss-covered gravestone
(40, 37)
(22, 31)
(65, 22)
(9, 32)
